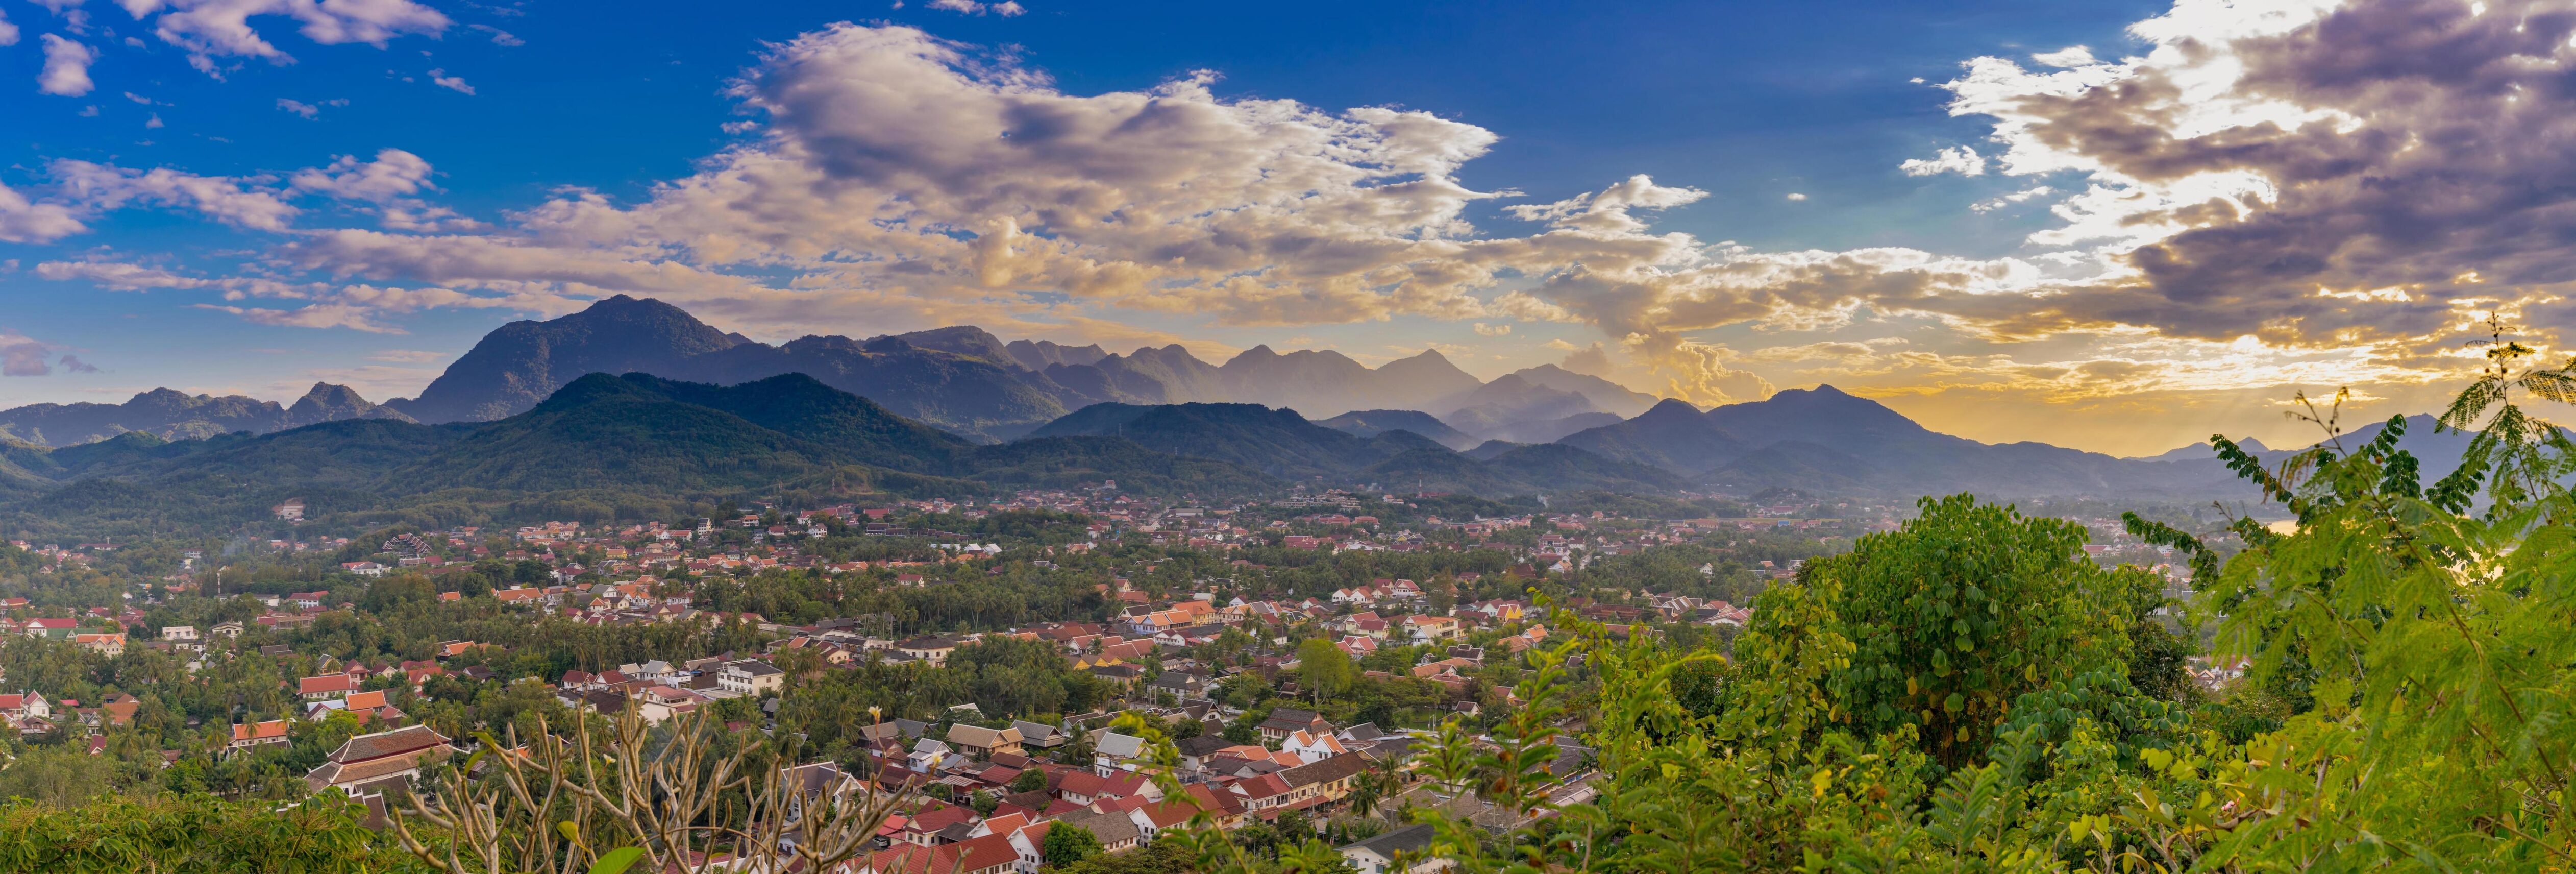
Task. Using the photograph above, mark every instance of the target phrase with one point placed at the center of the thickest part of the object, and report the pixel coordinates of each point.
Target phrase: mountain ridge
(170, 414)
(1827, 437)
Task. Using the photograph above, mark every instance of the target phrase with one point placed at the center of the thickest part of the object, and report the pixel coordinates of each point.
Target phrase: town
(972, 658)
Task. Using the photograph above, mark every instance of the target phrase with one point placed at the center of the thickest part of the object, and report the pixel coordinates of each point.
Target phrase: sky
(2118, 226)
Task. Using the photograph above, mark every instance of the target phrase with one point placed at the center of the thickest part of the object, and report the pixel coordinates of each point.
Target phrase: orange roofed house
(365, 764)
(251, 736)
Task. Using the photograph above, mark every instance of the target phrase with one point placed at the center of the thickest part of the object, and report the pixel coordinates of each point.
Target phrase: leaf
(617, 861)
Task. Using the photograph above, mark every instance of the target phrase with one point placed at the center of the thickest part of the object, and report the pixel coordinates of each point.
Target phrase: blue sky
(1766, 130)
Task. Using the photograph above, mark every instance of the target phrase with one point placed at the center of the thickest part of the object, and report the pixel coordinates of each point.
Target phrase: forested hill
(1824, 438)
(639, 446)
(1281, 443)
(601, 447)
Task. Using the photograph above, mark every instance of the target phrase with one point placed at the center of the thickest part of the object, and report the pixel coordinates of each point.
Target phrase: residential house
(927, 754)
(251, 736)
(366, 764)
(1310, 747)
(750, 677)
(981, 742)
(25, 705)
(1284, 721)
(1300, 787)
(934, 650)
(1039, 735)
(1112, 752)
(990, 854)
(1117, 832)
(1430, 628)
(1409, 847)
(326, 687)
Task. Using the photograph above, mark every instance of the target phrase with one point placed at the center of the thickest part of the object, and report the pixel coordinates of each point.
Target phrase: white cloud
(1608, 211)
(21, 355)
(389, 183)
(210, 29)
(2069, 57)
(154, 121)
(23, 221)
(451, 83)
(66, 72)
(119, 276)
(2001, 201)
(1796, 196)
(125, 276)
(499, 37)
(1957, 159)
(1485, 330)
(1006, 8)
(231, 201)
(363, 308)
(8, 32)
(393, 174)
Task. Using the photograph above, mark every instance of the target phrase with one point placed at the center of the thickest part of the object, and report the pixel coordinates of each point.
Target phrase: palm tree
(1379, 784)
(1311, 856)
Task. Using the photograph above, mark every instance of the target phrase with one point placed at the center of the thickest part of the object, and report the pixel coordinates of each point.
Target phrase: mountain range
(641, 446)
(965, 380)
(1827, 439)
(532, 414)
(174, 415)
(960, 379)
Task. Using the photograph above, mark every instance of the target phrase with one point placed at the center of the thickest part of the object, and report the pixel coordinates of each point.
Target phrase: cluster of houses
(31, 714)
(1122, 795)
(659, 690)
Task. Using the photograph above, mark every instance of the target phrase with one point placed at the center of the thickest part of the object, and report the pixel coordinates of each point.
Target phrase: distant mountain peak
(1671, 408)
(327, 402)
(967, 340)
(2202, 451)
(329, 391)
(520, 363)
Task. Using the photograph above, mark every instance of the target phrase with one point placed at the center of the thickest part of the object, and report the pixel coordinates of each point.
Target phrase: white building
(750, 677)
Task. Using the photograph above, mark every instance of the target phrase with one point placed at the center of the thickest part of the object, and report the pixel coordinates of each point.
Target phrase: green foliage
(2436, 733)
(1068, 845)
(1959, 612)
(1324, 668)
(1030, 780)
(193, 834)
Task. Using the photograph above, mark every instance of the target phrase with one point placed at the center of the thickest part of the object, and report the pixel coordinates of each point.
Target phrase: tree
(1068, 844)
(1961, 610)
(1242, 734)
(1031, 780)
(1324, 668)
